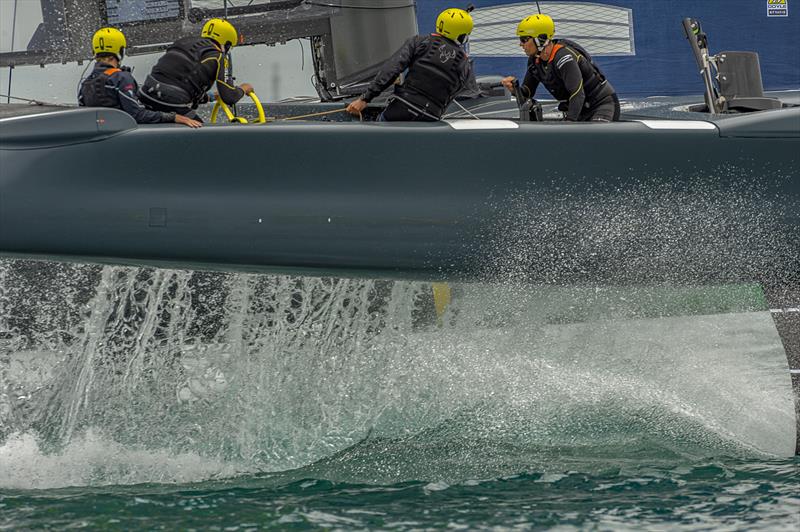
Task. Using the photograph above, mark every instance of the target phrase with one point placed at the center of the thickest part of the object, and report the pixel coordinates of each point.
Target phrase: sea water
(141, 398)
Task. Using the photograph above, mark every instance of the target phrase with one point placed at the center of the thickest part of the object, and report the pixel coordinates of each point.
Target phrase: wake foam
(94, 460)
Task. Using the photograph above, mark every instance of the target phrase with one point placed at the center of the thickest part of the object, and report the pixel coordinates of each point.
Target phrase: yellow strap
(575, 53)
(219, 66)
(579, 89)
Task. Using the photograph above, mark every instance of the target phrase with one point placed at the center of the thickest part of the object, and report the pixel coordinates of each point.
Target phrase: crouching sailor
(182, 77)
(566, 71)
(110, 85)
(438, 69)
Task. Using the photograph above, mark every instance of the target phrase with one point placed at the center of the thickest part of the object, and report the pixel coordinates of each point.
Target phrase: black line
(326, 4)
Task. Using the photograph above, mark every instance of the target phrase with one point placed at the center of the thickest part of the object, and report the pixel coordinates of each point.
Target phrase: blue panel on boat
(639, 44)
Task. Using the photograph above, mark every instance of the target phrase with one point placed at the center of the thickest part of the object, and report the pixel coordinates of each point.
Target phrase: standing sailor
(111, 85)
(567, 72)
(182, 77)
(438, 69)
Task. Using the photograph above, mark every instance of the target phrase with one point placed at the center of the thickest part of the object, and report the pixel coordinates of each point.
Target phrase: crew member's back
(112, 85)
(438, 69)
(182, 77)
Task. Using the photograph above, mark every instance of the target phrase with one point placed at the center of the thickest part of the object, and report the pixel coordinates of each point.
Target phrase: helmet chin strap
(540, 45)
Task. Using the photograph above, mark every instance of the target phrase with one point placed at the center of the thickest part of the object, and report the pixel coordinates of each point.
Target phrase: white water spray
(215, 374)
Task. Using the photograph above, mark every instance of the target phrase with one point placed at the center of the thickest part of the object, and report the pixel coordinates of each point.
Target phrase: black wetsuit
(571, 77)
(438, 69)
(108, 86)
(182, 77)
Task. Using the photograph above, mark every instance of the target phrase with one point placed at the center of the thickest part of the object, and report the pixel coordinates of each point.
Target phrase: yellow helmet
(455, 24)
(222, 32)
(540, 27)
(109, 41)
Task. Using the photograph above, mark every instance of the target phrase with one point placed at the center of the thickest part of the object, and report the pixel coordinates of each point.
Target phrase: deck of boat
(503, 107)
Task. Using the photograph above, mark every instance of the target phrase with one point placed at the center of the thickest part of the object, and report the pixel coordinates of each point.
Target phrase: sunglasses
(525, 39)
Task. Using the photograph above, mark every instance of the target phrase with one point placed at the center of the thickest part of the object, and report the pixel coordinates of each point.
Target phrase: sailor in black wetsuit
(110, 85)
(567, 71)
(182, 77)
(438, 69)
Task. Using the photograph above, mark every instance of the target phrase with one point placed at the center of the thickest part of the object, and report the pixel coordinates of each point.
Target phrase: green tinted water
(619, 493)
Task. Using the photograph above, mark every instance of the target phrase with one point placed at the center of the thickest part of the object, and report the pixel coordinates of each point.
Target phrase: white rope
(465, 110)
(476, 108)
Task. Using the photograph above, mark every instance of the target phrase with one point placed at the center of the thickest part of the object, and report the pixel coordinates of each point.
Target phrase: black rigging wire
(328, 4)
(13, 32)
(37, 102)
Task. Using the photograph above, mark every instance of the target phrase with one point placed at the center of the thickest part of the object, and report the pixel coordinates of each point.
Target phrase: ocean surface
(631, 492)
(134, 398)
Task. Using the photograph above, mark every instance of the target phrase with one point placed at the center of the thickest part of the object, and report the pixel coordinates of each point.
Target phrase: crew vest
(436, 75)
(595, 87)
(95, 93)
(181, 66)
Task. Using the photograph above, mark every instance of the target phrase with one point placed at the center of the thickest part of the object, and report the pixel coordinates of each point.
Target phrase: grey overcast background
(276, 71)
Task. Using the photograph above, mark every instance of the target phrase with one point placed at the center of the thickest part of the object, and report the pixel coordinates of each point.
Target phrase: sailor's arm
(467, 78)
(570, 73)
(126, 89)
(227, 93)
(387, 75)
(392, 68)
(529, 84)
(528, 87)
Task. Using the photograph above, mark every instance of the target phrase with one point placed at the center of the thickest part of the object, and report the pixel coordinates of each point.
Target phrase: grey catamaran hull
(636, 202)
(429, 199)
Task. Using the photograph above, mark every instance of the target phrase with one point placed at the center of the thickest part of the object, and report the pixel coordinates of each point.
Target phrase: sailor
(438, 69)
(182, 77)
(566, 70)
(112, 85)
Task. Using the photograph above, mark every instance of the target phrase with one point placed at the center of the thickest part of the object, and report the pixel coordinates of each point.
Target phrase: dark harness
(435, 76)
(97, 92)
(179, 76)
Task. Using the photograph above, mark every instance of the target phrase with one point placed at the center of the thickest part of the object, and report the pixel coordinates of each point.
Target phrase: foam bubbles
(94, 460)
